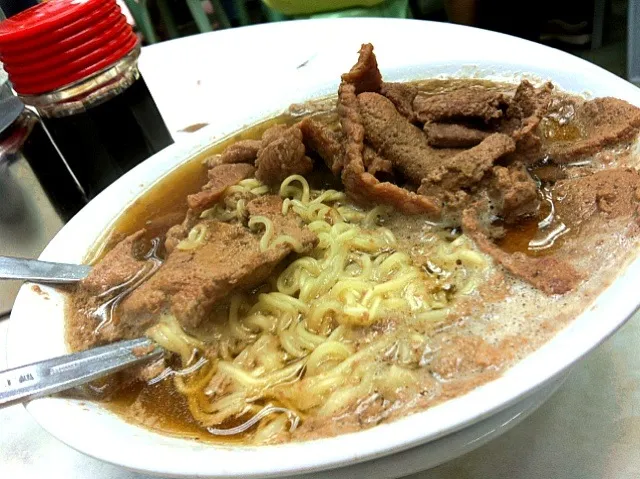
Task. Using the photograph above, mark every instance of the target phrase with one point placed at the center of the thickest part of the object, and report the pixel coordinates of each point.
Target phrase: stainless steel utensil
(41, 271)
(54, 375)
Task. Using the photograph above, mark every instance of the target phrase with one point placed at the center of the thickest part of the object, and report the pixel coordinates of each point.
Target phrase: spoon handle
(41, 271)
(65, 372)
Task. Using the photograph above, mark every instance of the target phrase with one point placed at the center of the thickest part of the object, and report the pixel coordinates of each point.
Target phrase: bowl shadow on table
(590, 428)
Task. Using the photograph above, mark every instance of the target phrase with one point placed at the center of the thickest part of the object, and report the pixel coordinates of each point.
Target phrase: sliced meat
(529, 103)
(611, 193)
(402, 96)
(191, 281)
(396, 139)
(547, 273)
(461, 104)
(469, 167)
(604, 122)
(177, 233)
(221, 177)
(270, 206)
(243, 151)
(526, 109)
(376, 165)
(110, 280)
(118, 266)
(513, 192)
(451, 135)
(364, 75)
(271, 134)
(319, 138)
(282, 154)
(360, 185)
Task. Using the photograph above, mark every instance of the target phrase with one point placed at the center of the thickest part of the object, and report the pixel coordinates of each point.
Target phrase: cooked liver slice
(282, 154)
(468, 167)
(376, 133)
(111, 278)
(221, 177)
(396, 139)
(360, 185)
(461, 104)
(514, 192)
(528, 104)
(402, 96)
(451, 135)
(177, 233)
(604, 122)
(273, 133)
(526, 109)
(547, 273)
(364, 75)
(327, 144)
(117, 267)
(376, 165)
(290, 225)
(243, 151)
(190, 282)
(611, 193)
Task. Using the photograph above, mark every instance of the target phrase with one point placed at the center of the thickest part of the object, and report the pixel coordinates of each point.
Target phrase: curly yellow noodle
(196, 237)
(192, 385)
(268, 230)
(301, 194)
(296, 343)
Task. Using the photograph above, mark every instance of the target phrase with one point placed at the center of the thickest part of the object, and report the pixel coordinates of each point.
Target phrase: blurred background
(605, 32)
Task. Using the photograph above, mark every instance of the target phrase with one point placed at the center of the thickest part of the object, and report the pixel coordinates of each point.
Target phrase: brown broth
(523, 236)
(165, 204)
(161, 408)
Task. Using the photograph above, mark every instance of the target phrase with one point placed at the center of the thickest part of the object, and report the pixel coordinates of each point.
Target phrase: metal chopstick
(41, 271)
(54, 375)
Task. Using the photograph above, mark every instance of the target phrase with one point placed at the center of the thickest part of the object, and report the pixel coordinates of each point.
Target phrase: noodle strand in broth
(299, 348)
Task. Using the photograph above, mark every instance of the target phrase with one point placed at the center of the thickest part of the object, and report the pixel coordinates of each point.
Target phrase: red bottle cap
(59, 42)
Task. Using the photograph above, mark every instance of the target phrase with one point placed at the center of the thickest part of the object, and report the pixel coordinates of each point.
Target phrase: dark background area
(592, 29)
(596, 30)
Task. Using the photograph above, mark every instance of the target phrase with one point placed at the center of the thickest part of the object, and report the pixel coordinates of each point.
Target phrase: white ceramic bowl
(416, 442)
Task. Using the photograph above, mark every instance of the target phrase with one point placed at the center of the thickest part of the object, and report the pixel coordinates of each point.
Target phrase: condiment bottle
(76, 63)
(38, 193)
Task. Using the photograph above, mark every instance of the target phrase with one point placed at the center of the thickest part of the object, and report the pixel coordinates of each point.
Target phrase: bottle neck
(88, 92)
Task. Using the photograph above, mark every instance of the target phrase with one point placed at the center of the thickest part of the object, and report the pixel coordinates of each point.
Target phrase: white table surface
(589, 429)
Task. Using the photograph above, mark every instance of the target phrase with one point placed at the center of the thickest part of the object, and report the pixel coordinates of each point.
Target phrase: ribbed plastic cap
(62, 41)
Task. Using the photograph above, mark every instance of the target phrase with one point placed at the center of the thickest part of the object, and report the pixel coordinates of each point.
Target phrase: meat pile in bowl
(361, 258)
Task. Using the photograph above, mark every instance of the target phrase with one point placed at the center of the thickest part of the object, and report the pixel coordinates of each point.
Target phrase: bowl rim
(177, 457)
